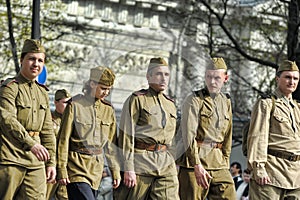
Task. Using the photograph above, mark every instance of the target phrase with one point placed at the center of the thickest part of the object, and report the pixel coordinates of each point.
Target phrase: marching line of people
(79, 152)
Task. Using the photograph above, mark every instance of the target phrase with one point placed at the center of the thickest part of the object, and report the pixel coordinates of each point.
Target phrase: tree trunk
(293, 46)
(11, 37)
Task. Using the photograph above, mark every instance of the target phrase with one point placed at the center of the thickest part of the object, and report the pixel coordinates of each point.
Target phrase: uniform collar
(280, 95)
(21, 79)
(91, 99)
(57, 114)
(154, 93)
(213, 96)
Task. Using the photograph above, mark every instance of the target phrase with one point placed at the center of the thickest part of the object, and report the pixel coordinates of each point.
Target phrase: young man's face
(61, 104)
(32, 65)
(287, 82)
(215, 79)
(99, 91)
(158, 78)
(234, 170)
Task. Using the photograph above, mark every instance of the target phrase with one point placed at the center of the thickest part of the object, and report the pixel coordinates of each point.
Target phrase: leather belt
(33, 133)
(211, 144)
(285, 155)
(88, 151)
(150, 147)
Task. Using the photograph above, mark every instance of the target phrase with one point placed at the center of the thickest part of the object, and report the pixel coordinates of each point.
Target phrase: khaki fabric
(56, 191)
(20, 183)
(209, 120)
(278, 132)
(150, 187)
(24, 107)
(268, 192)
(56, 119)
(141, 121)
(87, 123)
(206, 119)
(287, 65)
(221, 186)
(33, 46)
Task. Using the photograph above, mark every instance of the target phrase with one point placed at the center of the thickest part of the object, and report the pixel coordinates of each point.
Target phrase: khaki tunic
(206, 119)
(24, 107)
(87, 123)
(56, 191)
(56, 119)
(141, 121)
(278, 132)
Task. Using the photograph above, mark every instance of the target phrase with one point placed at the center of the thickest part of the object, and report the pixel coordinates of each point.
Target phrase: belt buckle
(213, 144)
(293, 157)
(157, 147)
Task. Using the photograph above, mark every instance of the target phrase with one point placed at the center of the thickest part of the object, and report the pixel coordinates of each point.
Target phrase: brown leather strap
(150, 147)
(283, 154)
(211, 144)
(33, 133)
(88, 151)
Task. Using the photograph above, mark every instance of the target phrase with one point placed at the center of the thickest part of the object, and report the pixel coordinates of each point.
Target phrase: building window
(122, 15)
(89, 9)
(154, 21)
(138, 18)
(72, 7)
(106, 13)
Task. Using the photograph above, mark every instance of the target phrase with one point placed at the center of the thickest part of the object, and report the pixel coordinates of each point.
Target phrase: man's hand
(129, 179)
(116, 183)
(51, 174)
(64, 181)
(263, 180)
(40, 152)
(201, 176)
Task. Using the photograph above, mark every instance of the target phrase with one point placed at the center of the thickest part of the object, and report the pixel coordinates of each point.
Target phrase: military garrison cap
(61, 94)
(218, 63)
(157, 62)
(287, 65)
(33, 46)
(102, 75)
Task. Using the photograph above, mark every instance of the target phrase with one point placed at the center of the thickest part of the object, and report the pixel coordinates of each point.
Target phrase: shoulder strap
(273, 105)
(200, 96)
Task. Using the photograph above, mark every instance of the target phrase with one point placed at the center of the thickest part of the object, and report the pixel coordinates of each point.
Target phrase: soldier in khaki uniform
(88, 125)
(206, 128)
(274, 140)
(27, 141)
(61, 97)
(147, 128)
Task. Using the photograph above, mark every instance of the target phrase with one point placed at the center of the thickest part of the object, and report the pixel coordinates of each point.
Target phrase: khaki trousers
(221, 186)
(267, 192)
(56, 191)
(20, 183)
(150, 188)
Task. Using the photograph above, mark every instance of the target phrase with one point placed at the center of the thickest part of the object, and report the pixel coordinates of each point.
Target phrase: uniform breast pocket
(23, 111)
(148, 116)
(226, 120)
(42, 111)
(280, 125)
(205, 117)
(105, 127)
(83, 126)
